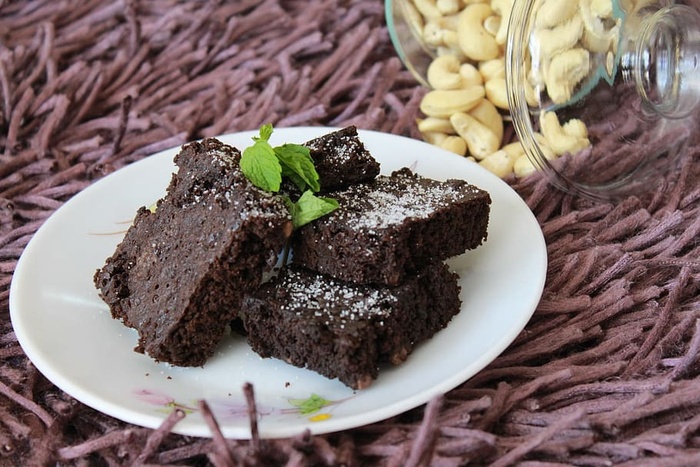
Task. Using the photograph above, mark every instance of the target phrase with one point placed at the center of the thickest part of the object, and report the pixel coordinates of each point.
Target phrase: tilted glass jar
(603, 94)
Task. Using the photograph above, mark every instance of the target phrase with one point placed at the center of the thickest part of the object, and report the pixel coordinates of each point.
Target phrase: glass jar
(603, 94)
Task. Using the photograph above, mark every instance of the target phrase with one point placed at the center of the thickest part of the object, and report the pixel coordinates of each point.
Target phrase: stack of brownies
(365, 285)
(367, 282)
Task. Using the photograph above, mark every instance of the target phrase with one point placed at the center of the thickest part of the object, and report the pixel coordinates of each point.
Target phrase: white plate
(68, 333)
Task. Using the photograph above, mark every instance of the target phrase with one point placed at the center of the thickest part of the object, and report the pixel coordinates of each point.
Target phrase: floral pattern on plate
(311, 408)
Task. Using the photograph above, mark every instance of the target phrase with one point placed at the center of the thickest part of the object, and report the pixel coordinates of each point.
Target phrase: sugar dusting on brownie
(341, 159)
(343, 149)
(203, 192)
(393, 208)
(381, 205)
(387, 229)
(334, 300)
(344, 330)
(225, 157)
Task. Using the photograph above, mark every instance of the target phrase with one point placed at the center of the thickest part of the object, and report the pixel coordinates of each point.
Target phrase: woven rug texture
(605, 373)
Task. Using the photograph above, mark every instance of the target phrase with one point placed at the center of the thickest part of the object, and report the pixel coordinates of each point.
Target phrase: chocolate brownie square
(179, 275)
(344, 330)
(389, 228)
(341, 159)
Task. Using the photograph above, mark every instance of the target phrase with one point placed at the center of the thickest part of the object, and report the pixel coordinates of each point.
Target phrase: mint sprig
(265, 166)
(310, 207)
(298, 166)
(260, 163)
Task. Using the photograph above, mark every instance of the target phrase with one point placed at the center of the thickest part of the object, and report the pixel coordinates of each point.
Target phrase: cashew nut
(455, 144)
(575, 128)
(601, 8)
(480, 140)
(413, 17)
(559, 38)
(558, 139)
(470, 75)
(446, 50)
(554, 12)
(434, 137)
(514, 150)
(443, 103)
(503, 9)
(542, 143)
(499, 163)
(532, 96)
(476, 43)
(436, 33)
(433, 34)
(596, 37)
(433, 125)
(497, 92)
(491, 69)
(492, 24)
(523, 167)
(443, 73)
(427, 8)
(448, 7)
(565, 72)
(610, 63)
(487, 113)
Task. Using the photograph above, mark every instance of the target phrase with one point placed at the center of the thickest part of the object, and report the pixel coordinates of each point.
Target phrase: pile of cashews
(464, 110)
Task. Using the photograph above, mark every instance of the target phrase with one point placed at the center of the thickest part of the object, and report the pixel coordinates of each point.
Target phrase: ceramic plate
(68, 333)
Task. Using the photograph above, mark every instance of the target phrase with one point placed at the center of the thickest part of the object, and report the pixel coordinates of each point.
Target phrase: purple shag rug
(605, 373)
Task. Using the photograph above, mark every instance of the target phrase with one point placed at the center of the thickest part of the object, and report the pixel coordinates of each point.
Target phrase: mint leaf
(265, 166)
(260, 164)
(265, 133)
(310, 207)
(298, 166)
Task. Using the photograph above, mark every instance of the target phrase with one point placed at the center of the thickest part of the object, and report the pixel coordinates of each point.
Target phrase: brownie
(180, 272)
(341, 159)
(385, 230)
(344, 330)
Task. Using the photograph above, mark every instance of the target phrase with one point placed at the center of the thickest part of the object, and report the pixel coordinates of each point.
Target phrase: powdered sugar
(333, 300)
(232, 190)
(223, 158)
(392, 200)
(343, 151)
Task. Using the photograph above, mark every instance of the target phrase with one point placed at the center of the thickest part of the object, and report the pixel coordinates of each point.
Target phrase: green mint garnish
(265, 166)
(310, 207)
(298, 166)
(260, 164)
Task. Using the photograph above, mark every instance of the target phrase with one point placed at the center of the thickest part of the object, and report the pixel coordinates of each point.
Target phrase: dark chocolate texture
(389, 228)
(341, 159)
(179, 274)
(344, 330)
